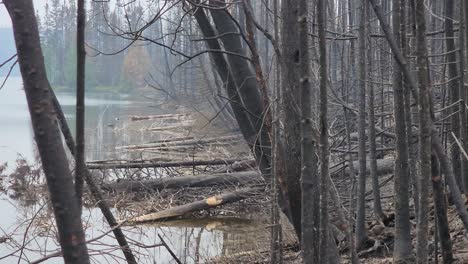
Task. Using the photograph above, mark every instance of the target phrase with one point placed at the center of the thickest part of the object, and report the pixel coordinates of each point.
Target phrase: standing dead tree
(402, 250)
(361, 232)
(309, 175)
(46, 132)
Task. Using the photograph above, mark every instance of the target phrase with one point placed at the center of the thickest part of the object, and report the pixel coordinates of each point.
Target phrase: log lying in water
(150, 164)
(211, 202)
(201, 180)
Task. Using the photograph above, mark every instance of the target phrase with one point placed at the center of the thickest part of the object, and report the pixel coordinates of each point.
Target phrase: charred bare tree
(309, 175)
(424, 134)
(80, 101)
(46, 132)
(402, 252)
(441, 212)
(453, 86)
(291, 97)
(361, 232)
(323, 130)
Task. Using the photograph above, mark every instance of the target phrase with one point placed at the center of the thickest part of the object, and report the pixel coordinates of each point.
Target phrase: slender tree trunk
(424, 133)
(361, 232)
(402, 246)
(46, 132)
(412, 150)
(80, 101)
(309, 176)
(464, 94)
(323, 125)
(441, 213)
(291, 96)
(453, 86)
(373, 153)
(275, 248)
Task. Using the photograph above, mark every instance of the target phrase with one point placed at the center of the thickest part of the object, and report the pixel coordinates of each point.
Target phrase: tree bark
(46, 132)
(402, 252)
(323, 126)
(361, 232)
(80, 102)
(309, 175)
(453, 86)
(465, 98)
(424, 134)
(291, 96)
(441, 213)
(247, 86)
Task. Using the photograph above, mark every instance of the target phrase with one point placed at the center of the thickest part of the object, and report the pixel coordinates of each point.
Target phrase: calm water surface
(192, 242)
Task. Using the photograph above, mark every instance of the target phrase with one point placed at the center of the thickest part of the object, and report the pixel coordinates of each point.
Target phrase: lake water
(192, 242)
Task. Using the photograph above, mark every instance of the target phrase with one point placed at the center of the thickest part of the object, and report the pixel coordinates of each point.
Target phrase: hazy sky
(5, 19)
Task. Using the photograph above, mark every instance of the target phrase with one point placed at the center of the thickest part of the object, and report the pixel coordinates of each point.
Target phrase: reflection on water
(192, 241)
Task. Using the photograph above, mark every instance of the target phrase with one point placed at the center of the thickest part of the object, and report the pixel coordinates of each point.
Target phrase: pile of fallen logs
(215, 159)
(239, 178)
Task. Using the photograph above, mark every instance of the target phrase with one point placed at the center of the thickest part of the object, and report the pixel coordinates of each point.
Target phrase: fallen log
(238, 166)
(184, 142)
(201, 180)
(139, 118)
(211, 202)
(155, 129)
(150, 164)
(384, 166)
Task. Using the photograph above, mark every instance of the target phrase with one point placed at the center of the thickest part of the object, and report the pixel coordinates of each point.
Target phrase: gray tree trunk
(453, 86)
(291, 96)
(402, 252)
(323, 127)
(424, 134)
(46, 132)
(361, 232)
(309, 175)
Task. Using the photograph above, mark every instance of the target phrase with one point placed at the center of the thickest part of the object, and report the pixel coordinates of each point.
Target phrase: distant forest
(110, 64)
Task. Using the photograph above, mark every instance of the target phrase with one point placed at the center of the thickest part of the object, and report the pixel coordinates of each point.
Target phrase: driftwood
(150, 164)
(201, 180)
(211, 202)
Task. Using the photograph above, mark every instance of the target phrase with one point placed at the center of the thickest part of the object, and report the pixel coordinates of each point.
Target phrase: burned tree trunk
(453, 86)
(247, 86)
(441, 212)
(361, 232)
(323, 128)
(424, 133)
(309, 175)
(291, 96)
(46, 132)
(402, 248)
